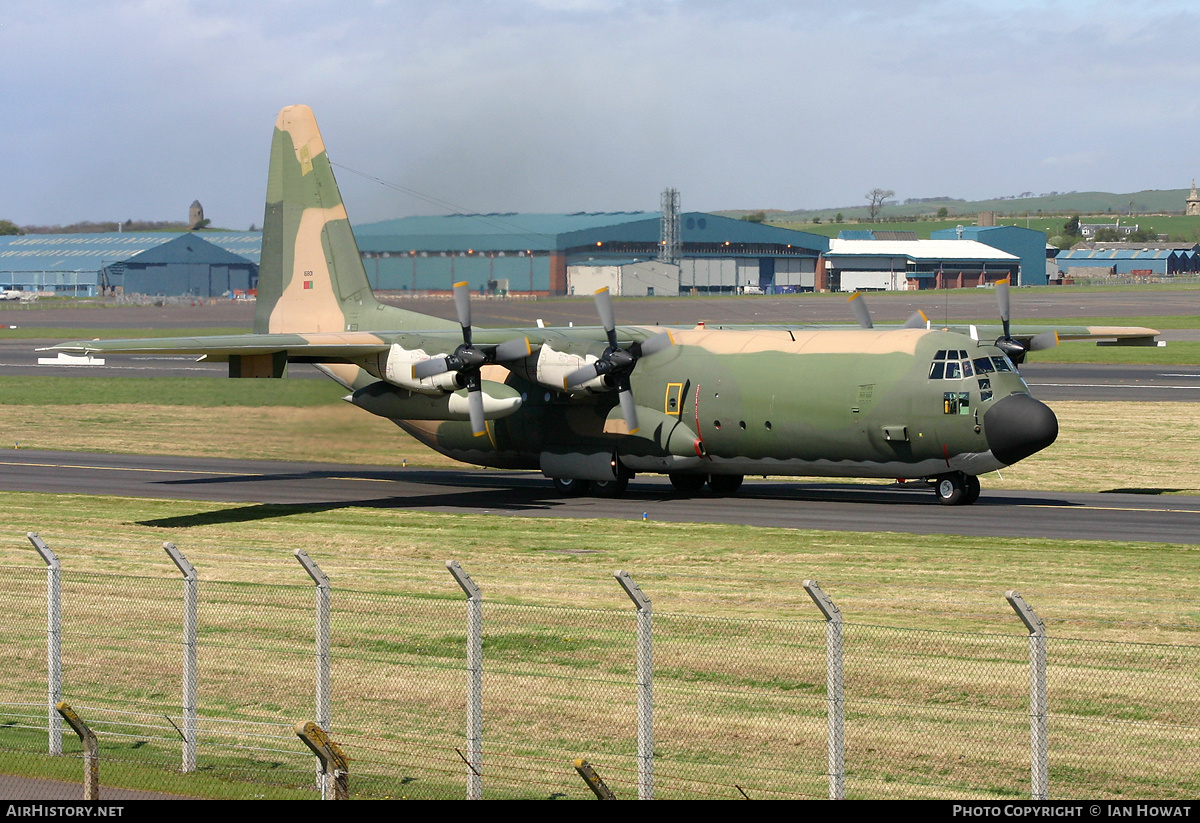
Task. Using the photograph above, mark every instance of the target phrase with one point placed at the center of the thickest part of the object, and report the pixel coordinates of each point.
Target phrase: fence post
(53, 641)
(91, 751)
(334, 763)
(645, 681)
(322, 653)
(189, 655)
(474, 680)
(834, 689)
(1039, 742)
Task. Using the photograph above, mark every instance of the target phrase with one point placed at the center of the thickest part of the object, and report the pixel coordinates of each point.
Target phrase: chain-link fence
(448, 694)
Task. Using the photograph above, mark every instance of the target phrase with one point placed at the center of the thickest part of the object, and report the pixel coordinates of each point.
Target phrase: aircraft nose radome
(1019, 426)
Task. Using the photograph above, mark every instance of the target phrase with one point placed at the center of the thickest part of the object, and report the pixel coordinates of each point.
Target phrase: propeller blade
(1002, 300)
(475, 409)
(580, 376)
(514, 349)
(608, 318)
(462, 305)
(628, 409)
(861, 313)
(659, 342)
(1043, 341)
(431, 367)
(917, 321)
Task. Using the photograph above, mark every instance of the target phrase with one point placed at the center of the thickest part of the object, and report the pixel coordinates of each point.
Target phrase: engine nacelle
(554, 366)
(396, 403)
(398, 370)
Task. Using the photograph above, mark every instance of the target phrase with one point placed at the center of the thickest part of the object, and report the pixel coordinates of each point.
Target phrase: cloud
(135, 108)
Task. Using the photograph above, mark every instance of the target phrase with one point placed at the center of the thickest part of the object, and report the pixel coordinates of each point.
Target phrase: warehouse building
(1028, 245)
(561, 253)
(1088, 260)
(207, 264)
(857, 263)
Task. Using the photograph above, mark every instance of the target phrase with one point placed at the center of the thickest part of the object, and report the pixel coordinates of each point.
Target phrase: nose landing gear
(956, 489)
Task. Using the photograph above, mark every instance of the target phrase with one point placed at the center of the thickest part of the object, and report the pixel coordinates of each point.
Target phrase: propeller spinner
(616, 363)
(468, 359)
(1015, 349)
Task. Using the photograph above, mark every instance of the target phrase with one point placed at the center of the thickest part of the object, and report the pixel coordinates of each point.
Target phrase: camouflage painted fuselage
(826, 403)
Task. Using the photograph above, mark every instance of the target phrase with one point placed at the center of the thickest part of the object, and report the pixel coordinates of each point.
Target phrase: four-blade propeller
(468, 359)
(1015, 349)
(616, 364)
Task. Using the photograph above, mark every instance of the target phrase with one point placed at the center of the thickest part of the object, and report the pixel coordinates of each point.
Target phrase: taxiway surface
(257, 490)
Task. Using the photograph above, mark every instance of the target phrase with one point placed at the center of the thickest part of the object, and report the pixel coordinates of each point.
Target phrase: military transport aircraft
(592, 406)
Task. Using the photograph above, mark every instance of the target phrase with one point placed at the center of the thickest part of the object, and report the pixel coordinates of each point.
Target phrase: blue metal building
(82, 264)
(1027, 244)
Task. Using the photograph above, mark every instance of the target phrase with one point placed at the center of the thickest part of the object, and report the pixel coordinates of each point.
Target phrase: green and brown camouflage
(700, 404)
(316, 281)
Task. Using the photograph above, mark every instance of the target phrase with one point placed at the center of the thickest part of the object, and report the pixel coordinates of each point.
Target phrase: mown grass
(936, 660)
(198, 392)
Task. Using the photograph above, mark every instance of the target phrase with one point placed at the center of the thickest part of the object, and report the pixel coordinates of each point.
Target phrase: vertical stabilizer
(311, 277)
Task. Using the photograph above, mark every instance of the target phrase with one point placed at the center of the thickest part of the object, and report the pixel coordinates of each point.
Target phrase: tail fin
(311, 278)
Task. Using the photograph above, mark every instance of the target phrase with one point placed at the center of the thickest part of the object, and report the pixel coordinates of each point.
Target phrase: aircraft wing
(1103, 335)
(324, 347)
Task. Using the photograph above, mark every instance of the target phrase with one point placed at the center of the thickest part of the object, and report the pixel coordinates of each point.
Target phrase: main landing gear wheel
(972, 490)
(610, 488)
(570, 486)
(956, 489)
(686, 482)
(724, 483)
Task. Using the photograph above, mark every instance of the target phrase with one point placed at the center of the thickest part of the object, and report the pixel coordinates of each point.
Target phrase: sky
(132, 109)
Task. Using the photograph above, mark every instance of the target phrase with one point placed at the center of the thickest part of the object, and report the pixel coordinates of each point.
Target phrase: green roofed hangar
(634, 253)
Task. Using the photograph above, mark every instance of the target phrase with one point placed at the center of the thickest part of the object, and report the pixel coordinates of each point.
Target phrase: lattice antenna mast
(668, 247)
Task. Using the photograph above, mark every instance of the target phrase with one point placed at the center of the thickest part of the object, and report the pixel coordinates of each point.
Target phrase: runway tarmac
(258, 490)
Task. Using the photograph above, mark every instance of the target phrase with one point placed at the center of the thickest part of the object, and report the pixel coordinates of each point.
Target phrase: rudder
(311, 276)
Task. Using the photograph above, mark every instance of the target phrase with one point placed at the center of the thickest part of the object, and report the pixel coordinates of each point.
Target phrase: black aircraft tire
(950, 488)
(972, 490)
(688, 483)
(610, 488)
(570, 486)
(725, 483)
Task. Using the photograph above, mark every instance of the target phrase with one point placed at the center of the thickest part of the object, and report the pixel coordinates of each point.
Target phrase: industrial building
(565, 253)
(1028, 245)
(862, 264)
(207, 264)
(1129, 259)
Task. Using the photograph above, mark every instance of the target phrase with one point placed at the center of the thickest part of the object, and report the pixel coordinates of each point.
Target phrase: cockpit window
(954, 364)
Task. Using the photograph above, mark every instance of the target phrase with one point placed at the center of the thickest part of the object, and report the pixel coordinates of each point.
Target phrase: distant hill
(1154, 201)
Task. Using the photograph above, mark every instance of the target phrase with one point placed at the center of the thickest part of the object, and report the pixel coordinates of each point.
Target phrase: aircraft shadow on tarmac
(530, 493)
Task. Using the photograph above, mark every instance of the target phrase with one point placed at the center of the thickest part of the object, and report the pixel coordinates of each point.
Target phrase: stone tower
(196, 212)
(1193, 201)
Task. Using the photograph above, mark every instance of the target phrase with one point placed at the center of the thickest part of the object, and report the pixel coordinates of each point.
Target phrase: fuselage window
(1002, 363)
(953, 370)
(983, 365)
(937, 370)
